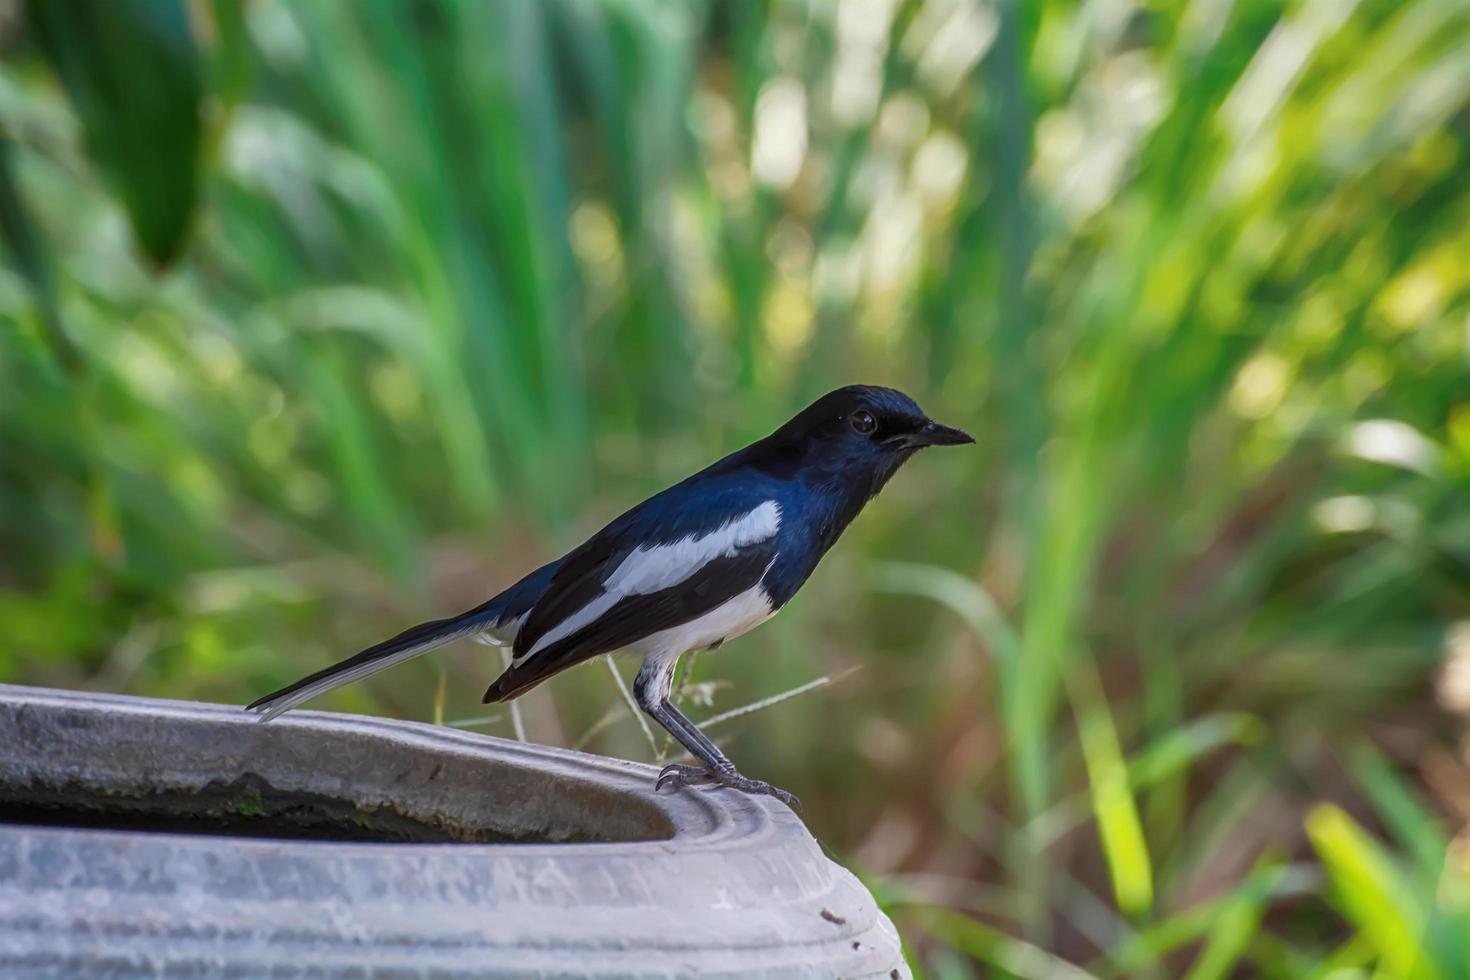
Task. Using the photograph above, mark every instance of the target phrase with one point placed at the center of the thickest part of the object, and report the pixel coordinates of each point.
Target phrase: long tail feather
(412, 642)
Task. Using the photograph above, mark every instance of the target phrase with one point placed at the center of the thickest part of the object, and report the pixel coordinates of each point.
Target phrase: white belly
(738, 614)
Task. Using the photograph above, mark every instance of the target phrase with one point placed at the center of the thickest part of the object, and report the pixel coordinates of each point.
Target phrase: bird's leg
(651, 688)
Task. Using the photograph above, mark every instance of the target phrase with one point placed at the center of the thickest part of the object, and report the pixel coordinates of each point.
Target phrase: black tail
(412, 642)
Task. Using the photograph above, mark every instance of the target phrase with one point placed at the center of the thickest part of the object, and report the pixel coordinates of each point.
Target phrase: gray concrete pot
(166, 838)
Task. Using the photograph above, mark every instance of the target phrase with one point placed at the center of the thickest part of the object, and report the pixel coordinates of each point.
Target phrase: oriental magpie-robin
(689, 568)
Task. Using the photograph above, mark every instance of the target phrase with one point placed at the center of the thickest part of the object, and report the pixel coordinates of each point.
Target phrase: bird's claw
(758, 787)
(678, 776)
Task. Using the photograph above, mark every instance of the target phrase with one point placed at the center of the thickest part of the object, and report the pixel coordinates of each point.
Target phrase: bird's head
(861, 430)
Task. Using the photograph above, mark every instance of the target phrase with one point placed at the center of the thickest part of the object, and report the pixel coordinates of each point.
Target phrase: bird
(691, 567)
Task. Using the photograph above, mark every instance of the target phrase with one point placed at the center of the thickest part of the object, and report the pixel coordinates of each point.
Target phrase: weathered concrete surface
(695, 883)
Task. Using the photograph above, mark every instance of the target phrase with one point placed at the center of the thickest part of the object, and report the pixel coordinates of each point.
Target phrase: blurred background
(321, 319)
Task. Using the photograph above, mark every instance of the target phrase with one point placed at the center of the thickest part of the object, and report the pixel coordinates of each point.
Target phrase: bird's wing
(663, 564)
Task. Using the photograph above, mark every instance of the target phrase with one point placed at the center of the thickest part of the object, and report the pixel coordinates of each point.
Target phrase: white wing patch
(571, 624)
(654, 569)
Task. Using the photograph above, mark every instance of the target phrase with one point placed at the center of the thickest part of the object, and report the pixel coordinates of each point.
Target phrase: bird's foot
(676, 775)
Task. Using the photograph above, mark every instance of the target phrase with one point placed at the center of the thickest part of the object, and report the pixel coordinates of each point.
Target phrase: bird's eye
(863, 422)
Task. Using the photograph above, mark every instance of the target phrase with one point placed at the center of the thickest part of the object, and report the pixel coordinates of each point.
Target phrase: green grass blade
(1373, 893)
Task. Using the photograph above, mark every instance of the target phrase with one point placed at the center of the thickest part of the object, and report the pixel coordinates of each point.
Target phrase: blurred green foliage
(1168, 678)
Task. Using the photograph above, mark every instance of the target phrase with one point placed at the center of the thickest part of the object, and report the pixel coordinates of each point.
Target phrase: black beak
(934, 434)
